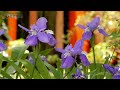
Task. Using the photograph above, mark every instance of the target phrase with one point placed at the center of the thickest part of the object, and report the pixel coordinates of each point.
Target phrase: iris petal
(78, 47)
(78, 72)
(102, 32)
(94, 23)
(52, 40)
(41, 23)
(2, 46)
(31, 40)
(33, 27)
(116, 68)
(96, 20)
(42, 36)
(30, 59)
(116, 76)
(59, 50)
(68, 47)
(43, 58)
(87, 35)
(81, 26)
(27, 30)
(78, 75)
(69, 61)
(62, 57)
(84, 60)
(92, 26)
(1, 32)
(109, 69)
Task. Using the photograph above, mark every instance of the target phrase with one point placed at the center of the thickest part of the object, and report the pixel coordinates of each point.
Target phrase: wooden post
(33, 16)
(12, 24)
(59, 33)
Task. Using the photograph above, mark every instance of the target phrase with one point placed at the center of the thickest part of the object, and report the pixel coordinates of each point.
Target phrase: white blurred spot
(49, 31)
(110, 22)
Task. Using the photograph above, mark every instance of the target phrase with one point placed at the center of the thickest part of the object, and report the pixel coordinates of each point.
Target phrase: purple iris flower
(39, 32)
(43, 58)
(78, 75)
(30, 59)
(84, 59)
(90, 27)
(70, 54)
(2, 46)
(115, 71)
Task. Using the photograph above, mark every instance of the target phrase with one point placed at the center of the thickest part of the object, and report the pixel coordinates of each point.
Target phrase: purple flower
(70, 54)
(84, 59)
(30, 59)
(90, 27)
(43, 58)
(2, 46)
(78, 75)
(115, 71)
(67, 57)
(38, 32)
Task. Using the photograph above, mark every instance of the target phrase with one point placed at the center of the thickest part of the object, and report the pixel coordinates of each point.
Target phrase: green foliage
(55, 72)
(19, 67)
(46, 52)
(42, 68)
(29, 66)
(18, 52)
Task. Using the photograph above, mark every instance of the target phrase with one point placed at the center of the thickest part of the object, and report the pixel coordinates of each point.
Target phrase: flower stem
(92, 42)
(34, 67)
(68, 72)
(94, 56)
(36, 52)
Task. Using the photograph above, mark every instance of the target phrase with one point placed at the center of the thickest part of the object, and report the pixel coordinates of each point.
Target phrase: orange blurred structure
(12, 24)
(33, 16)
(76, 31)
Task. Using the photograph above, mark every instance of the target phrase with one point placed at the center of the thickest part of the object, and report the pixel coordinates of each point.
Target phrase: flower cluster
(70, 54)
(90, 27)
(78, 75)
(39, 32)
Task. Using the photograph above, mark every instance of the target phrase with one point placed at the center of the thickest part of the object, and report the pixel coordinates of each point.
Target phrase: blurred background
(63, 23)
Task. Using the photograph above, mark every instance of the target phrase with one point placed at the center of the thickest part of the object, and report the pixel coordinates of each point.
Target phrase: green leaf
(108, 75)
(42, 68)
(30, 67)
(18, 52)
(94, 71)
(107, 59)
(46, 52)
(69, 72)
(0, 62)
(10, 70)
(19, 69)
(6, 75)
(98, 74)
(53, 70)
(91, 73)
(58, 63)
(115, 35)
